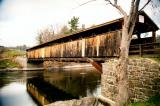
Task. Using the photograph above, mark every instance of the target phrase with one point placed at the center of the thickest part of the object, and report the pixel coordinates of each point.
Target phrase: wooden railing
(142, 49)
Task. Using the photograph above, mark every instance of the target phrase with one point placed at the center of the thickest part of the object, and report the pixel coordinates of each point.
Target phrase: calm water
(34, 88)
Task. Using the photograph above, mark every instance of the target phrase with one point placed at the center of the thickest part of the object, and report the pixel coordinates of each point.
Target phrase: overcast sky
(20, 20)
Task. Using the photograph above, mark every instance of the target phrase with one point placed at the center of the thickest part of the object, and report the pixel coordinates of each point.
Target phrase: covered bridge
(97, 42)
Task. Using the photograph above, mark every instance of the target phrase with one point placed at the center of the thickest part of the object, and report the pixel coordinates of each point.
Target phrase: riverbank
(8, 58)
(86, 101)
(21, 69)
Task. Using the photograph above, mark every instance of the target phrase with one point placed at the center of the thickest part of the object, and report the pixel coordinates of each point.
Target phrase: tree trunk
(122, 67)
(122, 75)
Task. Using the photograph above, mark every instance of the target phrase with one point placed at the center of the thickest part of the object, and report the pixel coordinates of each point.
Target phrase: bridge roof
(110, 26)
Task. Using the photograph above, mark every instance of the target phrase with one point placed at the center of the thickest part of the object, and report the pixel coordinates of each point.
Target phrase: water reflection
(44, 92)
(52, 86)
(74, 82)
(42, 87)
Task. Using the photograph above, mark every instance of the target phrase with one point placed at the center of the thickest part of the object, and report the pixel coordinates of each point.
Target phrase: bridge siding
(96, 46)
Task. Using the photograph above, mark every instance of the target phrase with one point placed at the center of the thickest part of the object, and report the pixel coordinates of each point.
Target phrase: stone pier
(144, 79)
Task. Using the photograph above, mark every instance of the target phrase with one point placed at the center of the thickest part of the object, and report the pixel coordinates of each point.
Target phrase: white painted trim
(97, 46)
(83, 47)
(141, 18)
(42, 52)
(62, 50)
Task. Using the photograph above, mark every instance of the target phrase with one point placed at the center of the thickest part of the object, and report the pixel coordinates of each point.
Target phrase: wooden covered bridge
(96, 43)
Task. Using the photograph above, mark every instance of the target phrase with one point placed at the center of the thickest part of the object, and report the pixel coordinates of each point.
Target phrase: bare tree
(83, 26)
(127, 31)
(64, 30)
(45, 35)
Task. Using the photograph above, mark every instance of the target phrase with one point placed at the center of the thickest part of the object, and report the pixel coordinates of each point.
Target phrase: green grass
(6, 63)
(157, 59)
(154, 101)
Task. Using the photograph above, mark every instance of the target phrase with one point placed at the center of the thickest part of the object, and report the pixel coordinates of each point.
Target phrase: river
(33, 88)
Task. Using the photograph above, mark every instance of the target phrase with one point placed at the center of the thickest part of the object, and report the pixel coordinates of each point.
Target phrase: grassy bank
(7, 63)
(7, 58)
(156, 58)
(154, 101)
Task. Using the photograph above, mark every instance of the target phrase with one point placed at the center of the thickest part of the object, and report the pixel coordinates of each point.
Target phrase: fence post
(140, 50)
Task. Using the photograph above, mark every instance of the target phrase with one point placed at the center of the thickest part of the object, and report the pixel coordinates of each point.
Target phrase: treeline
(47, 34)
(20, 47)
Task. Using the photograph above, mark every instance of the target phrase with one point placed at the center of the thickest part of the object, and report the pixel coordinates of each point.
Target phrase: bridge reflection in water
(66, 85)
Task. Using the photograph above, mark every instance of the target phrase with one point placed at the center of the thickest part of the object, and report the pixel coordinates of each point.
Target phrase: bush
(153, 101)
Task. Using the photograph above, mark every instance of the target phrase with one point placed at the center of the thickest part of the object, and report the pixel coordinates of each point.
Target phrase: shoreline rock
(86, 101)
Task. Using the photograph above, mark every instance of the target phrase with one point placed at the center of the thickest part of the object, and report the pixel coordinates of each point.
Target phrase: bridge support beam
(98, 66)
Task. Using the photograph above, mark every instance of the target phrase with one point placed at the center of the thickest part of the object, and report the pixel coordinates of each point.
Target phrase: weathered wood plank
(95, 46)
(102, 45)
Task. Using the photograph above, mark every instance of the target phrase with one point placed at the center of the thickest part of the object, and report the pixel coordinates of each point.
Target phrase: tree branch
(145, 5)
(115, 2)
(133, 16)
(137, 6)
(131, 11)
(132, 6)
(84, 3)
(117, 6)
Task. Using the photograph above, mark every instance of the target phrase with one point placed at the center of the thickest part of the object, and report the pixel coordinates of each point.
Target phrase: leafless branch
(132, 6)
(115, 2)
(84, 3)
(145, 5)
(117, 6)
(137, 5)
(107, 3)
(131, 10)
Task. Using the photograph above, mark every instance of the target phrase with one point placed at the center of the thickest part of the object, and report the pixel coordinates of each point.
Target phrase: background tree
(64, 30)
(127, 31)
(21, 47)
(45, 35)
(73, 24)
(83, 26)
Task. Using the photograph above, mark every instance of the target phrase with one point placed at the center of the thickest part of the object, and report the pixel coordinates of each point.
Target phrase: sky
(21, 20)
